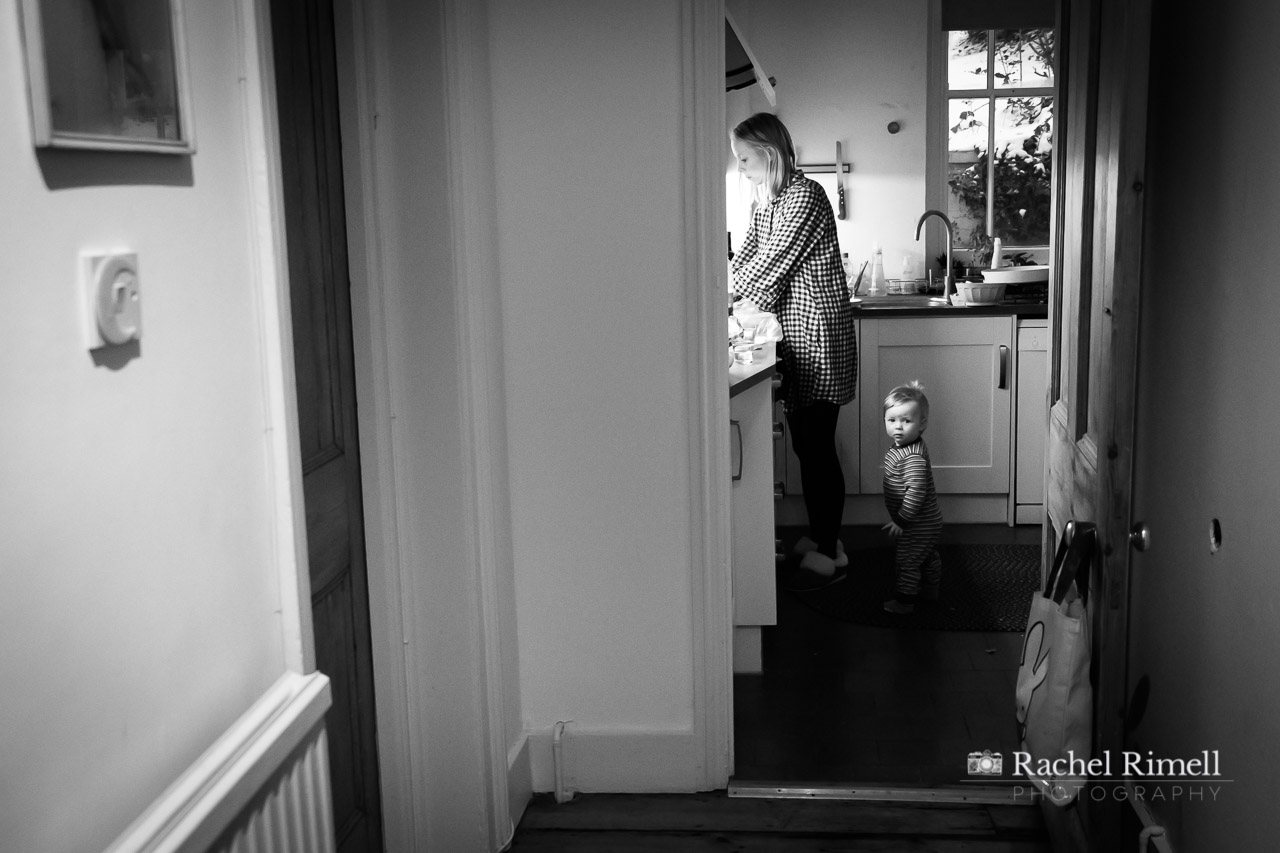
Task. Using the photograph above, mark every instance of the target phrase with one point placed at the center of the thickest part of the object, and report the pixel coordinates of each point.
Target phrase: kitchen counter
(761, 369)
(921, 305)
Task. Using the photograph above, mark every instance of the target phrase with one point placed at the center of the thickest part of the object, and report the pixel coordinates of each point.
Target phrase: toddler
(915, 520)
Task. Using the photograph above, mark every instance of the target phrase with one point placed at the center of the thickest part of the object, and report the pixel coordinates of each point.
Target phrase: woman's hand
(892, 529)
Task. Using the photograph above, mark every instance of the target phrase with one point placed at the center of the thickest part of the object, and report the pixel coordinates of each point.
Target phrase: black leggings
(813, 437)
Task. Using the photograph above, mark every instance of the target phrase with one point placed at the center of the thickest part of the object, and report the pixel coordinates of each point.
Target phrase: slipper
(804, 545)
(816, 571)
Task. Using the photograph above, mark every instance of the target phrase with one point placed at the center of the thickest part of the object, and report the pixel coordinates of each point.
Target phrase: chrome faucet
(947, 281)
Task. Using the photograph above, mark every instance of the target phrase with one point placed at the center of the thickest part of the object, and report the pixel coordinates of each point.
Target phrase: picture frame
(108, 75)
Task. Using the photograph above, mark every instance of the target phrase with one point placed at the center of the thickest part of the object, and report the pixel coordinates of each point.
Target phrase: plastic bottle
(877, 272)
(996, 261)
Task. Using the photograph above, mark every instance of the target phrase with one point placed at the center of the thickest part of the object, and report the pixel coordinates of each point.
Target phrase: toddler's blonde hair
(912, 392)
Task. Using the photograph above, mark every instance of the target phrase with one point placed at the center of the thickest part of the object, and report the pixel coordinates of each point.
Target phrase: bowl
(1017, 275)
(981, 292)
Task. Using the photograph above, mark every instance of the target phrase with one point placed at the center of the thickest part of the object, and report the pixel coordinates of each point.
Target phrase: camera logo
(985, 763)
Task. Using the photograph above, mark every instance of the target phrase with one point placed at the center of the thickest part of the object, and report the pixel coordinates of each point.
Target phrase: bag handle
(1075, 551)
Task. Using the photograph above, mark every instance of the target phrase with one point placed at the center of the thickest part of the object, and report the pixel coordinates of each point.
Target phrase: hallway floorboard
(640, 823)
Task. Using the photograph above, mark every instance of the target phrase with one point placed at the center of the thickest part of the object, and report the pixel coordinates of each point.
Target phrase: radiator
(262, 788)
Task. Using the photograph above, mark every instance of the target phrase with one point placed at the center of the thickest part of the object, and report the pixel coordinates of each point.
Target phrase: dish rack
(1023, 293)
(1027, 293)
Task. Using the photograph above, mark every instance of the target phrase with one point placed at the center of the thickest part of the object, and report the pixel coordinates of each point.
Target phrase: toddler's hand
(892, 529)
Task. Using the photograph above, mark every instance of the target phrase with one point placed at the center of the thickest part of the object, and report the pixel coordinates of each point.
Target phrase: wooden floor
(836, 703)
(639, 823)
(847, 703)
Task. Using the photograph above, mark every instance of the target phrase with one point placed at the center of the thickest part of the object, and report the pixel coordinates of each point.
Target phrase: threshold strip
(879, 792)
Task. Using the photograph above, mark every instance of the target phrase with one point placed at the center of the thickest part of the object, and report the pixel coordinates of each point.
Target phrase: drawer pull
(737, 428)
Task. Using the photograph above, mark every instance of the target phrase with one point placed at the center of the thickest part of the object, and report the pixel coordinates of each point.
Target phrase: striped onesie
(913, 505)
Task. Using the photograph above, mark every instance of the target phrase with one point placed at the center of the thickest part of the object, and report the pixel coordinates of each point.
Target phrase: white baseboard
(1029, 514)
(619, 761)
(748, 651)
(519, 779)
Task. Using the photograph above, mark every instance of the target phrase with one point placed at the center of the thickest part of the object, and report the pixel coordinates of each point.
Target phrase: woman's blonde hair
(769, 136)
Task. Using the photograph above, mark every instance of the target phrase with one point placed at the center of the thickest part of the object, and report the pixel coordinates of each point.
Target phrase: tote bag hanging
(1054, 693)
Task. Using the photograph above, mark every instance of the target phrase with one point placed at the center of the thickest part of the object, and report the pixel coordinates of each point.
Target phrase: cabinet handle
(779, 490)
(1004, 367)
(737, 427)
(777, 430)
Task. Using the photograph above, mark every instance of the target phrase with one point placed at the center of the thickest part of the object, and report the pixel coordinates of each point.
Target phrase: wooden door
(306, 80)
(1094, 311)
(965, 365)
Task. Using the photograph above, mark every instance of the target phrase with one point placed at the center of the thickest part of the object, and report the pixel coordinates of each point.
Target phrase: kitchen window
(994, 98)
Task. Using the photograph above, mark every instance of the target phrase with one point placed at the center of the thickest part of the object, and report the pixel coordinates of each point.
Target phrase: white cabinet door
(965, 366)
(751, 502)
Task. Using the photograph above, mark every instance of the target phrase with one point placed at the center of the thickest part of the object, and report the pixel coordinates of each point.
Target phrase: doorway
(1093, 312)
(839, 701)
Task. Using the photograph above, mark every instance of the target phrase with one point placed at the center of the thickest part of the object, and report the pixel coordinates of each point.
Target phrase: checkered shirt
(789, 265)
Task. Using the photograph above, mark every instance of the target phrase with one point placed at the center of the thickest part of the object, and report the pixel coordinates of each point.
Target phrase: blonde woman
(789, 265)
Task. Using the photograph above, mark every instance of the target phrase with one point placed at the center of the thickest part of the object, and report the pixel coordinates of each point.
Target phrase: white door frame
(705, 147)
(381, 377)
(414, 797)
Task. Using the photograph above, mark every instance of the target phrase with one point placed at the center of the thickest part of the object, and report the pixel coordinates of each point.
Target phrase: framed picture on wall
(108, 74)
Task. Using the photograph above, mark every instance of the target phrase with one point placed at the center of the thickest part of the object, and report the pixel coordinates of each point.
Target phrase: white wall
(587, 162)
(845, 69)
(142, 605)
(1204, 625)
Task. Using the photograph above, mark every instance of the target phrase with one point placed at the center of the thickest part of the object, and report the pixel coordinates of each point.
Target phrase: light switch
(112, 299)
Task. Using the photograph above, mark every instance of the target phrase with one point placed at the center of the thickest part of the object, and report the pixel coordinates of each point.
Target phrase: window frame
(936, 136)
